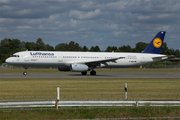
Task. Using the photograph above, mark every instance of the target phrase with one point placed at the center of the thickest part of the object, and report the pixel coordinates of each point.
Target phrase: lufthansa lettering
(39, 53)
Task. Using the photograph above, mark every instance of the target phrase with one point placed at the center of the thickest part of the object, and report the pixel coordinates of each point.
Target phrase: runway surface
(99, 75)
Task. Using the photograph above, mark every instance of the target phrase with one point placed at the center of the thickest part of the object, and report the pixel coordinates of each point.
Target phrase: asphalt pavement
(98, 75)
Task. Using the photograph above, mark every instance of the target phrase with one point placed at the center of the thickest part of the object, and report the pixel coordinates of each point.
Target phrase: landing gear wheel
(93, 72)
(84, 73)
(24, 73)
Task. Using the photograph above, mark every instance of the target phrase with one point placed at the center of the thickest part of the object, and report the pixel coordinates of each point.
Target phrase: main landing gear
(92, 72)
(25, 72)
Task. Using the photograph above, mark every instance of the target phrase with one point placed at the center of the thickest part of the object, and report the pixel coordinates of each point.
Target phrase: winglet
(156, 44)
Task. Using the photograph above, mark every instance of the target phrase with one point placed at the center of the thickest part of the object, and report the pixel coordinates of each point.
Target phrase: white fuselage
(58, 59)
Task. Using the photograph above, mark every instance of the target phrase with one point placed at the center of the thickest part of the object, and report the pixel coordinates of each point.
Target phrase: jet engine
(79, 67)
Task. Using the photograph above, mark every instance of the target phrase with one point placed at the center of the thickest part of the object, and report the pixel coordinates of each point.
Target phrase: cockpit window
(14, 55)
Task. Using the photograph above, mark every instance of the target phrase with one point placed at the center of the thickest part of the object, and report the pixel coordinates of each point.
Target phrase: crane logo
(157, 42)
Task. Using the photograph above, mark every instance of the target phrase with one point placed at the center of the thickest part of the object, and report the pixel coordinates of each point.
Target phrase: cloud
(90, 22)
(24, 27)
(85, 15)
(4, 1)
(143, 17)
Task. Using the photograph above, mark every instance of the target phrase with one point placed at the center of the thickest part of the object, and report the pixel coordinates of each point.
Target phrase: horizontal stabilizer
(161, 57)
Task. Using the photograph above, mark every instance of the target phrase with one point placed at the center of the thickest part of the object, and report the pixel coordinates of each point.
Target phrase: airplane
(88, 61)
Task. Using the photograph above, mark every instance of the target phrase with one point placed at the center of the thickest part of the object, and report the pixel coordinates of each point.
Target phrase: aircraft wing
(98, 62)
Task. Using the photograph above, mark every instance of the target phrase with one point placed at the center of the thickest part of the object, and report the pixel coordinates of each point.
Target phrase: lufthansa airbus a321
(88, 61)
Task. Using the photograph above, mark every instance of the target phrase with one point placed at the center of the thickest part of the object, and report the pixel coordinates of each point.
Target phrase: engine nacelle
(64, 68)
(79, 67)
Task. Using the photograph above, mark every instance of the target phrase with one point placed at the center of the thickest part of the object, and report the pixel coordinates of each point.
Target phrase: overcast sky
(91, 22)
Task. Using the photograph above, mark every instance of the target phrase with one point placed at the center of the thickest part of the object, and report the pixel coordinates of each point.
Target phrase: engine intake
(79, 67)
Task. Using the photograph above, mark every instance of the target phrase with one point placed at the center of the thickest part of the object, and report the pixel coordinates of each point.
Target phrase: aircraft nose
(8, 60)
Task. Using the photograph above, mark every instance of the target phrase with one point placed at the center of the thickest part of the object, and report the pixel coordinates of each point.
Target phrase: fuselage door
(142, 58)
(60, 58)
(26, 56)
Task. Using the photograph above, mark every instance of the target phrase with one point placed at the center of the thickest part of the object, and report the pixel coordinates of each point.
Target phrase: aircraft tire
(93, 72)
(24, 73)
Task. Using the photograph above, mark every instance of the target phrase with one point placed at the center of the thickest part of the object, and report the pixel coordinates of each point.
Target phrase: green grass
(90, 88)
(45, 89)
(88, 113)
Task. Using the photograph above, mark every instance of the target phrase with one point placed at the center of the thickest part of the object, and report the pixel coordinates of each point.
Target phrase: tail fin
(156, 44)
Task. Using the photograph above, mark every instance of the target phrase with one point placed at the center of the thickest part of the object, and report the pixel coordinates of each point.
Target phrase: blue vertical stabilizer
(156, 44)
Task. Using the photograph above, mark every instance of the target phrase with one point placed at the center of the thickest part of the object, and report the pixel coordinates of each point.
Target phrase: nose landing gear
(25, 73)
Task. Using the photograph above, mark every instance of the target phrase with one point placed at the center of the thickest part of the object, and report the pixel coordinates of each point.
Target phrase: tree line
(10, 46)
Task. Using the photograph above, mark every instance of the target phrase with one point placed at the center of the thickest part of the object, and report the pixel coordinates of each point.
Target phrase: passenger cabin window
(14, 55)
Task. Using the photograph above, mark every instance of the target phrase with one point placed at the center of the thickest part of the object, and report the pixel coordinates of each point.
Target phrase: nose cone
(8, 60)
